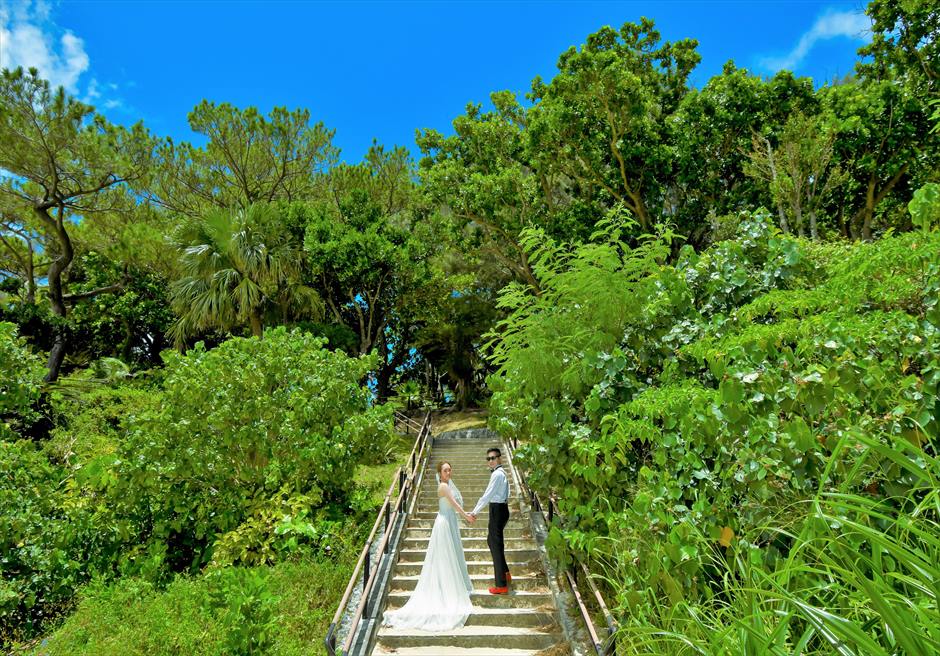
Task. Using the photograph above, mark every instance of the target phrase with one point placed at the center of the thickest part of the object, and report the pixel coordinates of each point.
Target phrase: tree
(247, 159)
(360, 244)
(482, 175)
(368, 245)
(450, 340)
(800, 171)
(711, 130)
(20, 246)
(883, 141)
(602, 121)
(66, 162)
(904, 43)
(238, 267)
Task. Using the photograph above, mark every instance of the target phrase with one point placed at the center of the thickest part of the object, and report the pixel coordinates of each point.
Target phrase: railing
(406, 424)
(607, 646)
(389, 513)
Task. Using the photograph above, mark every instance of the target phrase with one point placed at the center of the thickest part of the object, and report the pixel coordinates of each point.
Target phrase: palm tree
(239, 266)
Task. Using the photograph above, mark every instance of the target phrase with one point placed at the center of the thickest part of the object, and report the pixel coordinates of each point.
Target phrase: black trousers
(499, 516)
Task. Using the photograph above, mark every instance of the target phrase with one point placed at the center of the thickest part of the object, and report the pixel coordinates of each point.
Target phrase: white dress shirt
(496, 492)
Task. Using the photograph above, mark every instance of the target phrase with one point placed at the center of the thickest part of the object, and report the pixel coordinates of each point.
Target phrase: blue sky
(380, 69)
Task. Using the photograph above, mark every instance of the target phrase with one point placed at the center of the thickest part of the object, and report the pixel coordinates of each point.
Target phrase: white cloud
(849, 24)
(29, 38)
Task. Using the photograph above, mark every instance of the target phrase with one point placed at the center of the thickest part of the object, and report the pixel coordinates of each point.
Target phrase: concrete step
(469, 531)
(532, 568)
(437, 650)
(511, 637)
(478, 555)
(514, 507)
(483, 599)
(530, 617)
(481, 582)
(425, 520)
(471, 543)
(483, 516)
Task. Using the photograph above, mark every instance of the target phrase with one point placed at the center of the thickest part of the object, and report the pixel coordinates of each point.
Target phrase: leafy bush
(241, 427)
(246, 608)
(48, 544)
(292, 602)
(21, 375)
(684, 415)
(91, 418)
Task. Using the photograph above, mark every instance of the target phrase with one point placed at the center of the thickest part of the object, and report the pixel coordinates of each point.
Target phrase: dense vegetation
(746, 440)
(711, 315)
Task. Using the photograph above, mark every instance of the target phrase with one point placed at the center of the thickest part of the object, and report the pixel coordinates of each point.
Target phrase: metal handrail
(605, 647)
(364, 564)
(410, 424)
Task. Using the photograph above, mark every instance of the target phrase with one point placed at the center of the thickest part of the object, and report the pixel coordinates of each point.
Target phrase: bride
(441, 600)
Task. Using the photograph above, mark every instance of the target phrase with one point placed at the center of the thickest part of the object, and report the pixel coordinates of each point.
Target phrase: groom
(497, 495)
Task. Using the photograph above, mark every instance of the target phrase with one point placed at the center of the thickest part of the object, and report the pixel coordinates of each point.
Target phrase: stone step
(511, 637)
(437, 650)
(531, 617)
(481, 582)
(462, 481)
(514, 507)
(425, 520)
(470, 497)
(483, 599)
(477, 555)
(476, 530)
(471, 543)
(531, 568)
(425, 511)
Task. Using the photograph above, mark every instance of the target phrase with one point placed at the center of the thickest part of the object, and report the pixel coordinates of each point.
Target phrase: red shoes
(505, 588)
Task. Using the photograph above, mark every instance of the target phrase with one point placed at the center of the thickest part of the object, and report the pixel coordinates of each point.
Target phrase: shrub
(21, 374)
(684, 409)
(240, 426)
(48, 544)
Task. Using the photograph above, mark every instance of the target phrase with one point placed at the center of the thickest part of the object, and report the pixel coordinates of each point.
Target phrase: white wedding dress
(441, 600)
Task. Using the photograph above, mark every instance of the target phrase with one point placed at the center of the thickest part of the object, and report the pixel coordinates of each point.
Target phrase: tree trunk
(868, 212)
(30, 275)
(128, 341)
(813, 232)
(56, 355)
(56, 298)
(257, 328)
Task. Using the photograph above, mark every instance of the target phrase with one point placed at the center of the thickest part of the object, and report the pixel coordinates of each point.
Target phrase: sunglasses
(492, 458)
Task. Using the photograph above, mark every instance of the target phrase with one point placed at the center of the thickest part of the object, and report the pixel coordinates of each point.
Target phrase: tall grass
(861, 575)
(133, 617)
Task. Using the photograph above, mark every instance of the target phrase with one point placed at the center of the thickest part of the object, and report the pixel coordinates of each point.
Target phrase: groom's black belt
(499, 503)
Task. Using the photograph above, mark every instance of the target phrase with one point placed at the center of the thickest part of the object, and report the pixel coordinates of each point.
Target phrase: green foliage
(128, 322)
(48, 544)
(247, 610)
(248, 158)
(20, 386)
(92, 414)
(292, 603)
(239, 426)
(601, 119)
(925, 207)
(238, 266)
(683, 410)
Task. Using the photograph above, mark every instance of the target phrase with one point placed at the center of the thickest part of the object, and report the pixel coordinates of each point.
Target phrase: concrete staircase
(522, 623)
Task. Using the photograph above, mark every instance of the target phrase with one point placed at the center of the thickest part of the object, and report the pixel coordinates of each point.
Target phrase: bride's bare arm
(443, 490)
